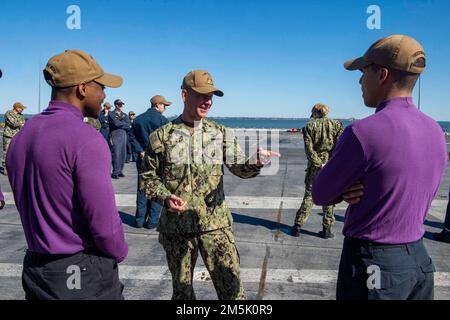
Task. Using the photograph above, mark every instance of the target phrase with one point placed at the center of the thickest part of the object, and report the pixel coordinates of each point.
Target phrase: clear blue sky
(271, 58)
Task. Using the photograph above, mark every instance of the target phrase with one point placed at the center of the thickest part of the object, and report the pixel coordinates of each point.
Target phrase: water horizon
(279, 123)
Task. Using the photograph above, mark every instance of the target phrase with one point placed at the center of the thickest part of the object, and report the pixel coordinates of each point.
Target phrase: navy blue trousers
(131, 155)
(147, 211)
(46, 277)
(119, 150)
(370, 271)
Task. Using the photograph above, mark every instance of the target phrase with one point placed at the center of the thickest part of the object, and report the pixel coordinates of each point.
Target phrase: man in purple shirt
(398, 155)
(2, 198)
(60, 176)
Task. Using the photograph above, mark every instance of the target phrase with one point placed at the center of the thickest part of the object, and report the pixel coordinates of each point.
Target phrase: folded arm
(14, 122)
(346, 166)
(119, 124)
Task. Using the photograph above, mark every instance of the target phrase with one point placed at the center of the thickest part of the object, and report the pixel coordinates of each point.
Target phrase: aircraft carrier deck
(274, 265)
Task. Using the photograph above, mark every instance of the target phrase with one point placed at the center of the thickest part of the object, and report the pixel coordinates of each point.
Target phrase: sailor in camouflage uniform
(95, 123)
(14, 121)
(183, 170)
(320, 136)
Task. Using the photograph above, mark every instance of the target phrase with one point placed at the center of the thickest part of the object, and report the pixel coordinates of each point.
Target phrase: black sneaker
(114, 176)
(326, 233)
(295, 231)
(443, 236)
(121, 175)
(138, 225)
(150, 226)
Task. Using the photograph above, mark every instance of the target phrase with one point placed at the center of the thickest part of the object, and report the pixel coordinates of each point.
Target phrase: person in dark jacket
(147, 211)
(103, 118)
(119, 125)
(131, 153)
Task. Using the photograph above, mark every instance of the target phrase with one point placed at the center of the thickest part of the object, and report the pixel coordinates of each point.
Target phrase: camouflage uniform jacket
(13, 123)
(95, 123)
(320, 136)
(189, 164)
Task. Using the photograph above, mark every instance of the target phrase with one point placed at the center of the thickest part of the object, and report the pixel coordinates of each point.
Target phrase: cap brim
(357, 64)
(167, 103)
(1, 74)
(110, 80)
(207, 90)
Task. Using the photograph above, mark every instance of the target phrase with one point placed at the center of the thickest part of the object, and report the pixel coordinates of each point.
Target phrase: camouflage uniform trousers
(6, 142)
(307, 204)
(219, 254)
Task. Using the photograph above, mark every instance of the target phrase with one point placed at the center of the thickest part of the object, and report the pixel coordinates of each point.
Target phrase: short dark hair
(402, 79)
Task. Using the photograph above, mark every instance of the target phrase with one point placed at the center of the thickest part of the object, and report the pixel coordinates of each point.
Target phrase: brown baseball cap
(118, 101)
(73, 67)
(398, 52)
(18, 105)
(159, 99)
(202, 82)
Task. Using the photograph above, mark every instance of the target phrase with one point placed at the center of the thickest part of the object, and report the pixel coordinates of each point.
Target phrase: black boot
(443, 236)
(326, 233)
(295, 231)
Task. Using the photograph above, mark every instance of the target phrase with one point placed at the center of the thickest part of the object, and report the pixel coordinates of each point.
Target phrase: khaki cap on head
(18, 105)
(73, 67)
(321, 109)
(159, 99)
(202, 82)
(398, 52)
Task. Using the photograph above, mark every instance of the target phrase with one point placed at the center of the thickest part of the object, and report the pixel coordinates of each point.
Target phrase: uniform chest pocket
(212, 175)
(177, 151)
(174, 171)
(209, 170)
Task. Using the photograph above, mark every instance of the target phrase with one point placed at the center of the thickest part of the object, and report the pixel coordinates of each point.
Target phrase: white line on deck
(280, 276)
(251, 202)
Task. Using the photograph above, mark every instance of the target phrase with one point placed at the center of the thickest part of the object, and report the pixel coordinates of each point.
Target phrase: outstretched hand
(353, 194)
(264, 156)
(175, 203)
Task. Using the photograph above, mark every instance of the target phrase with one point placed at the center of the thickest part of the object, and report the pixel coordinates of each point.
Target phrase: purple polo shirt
(60, 173)
(400, 155)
